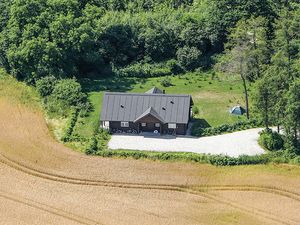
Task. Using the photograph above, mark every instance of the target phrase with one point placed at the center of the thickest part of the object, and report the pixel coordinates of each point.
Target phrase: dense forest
(256, 39)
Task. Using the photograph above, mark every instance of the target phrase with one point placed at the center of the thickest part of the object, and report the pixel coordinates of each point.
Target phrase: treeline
(80, 38)
(269, 55)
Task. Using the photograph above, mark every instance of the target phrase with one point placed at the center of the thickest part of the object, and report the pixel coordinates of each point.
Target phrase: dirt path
(42, 182)
(234, 144)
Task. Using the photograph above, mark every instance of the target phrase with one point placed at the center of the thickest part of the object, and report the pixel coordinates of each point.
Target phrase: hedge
(199, 131)
(217, 160)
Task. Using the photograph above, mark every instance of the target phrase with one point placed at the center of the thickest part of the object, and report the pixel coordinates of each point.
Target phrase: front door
(149, 127)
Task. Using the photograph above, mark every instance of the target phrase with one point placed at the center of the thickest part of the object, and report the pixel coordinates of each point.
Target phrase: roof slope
(130, 106)
(154, 90)
(152, 112)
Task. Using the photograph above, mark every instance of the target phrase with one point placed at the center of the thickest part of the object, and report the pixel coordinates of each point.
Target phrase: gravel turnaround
(233, 144)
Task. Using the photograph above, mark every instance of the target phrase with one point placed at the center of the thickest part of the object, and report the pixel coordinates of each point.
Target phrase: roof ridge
(152, 112)
(146, 94)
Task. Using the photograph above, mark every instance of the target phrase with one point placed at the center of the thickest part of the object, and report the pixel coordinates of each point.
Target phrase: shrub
(143, 70)
(92, 146)
(174, 67)
(166, 82)
(70, 126)
(271, 140)
(200, 131)
(223, 160)
(66, 94)
(189, 57)
(46, 85)
(195, 110)
(69, 91)
(295, 160)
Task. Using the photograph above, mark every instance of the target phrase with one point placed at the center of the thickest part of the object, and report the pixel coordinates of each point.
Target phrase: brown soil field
(44, 182)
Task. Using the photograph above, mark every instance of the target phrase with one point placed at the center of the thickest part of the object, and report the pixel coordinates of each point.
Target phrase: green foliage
(189, 57)
(144, 70)
(174, 67)
(292, 120)
(70, 126)
(221, 160)
(195, 110)
(45, 85)
(38, 38)
(271, 140)
(98, 142)
(69, 92)
(200, 131)
(166, 82)
(92, 146)
(217, 160)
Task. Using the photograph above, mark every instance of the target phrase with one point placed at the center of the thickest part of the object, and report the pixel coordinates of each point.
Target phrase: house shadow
(157, 136)
(201, 123)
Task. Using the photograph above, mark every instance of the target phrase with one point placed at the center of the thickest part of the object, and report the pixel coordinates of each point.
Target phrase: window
(144, 124)
(106, 124)
(124, 124)
(157, 125)
(172, 125)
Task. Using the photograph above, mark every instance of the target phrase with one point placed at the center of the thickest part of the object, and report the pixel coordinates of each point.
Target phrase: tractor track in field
(200, 190)
(48, 209)
(168, 187)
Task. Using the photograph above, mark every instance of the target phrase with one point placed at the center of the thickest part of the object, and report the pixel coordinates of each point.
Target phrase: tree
(292, 122)
(247, 52)
(265, 99)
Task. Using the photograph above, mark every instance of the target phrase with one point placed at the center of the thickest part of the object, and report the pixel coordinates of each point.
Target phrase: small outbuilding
(237, 110)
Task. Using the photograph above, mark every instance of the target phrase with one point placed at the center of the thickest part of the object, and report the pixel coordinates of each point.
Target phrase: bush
(200, 131)
(92, 146)
(271, 140)
(174, 67)
(65, 95)
(46, 85)
(143, 70)
(166, 82)
(189, 57)
(295, 160)
(70, 92)
(217, 160)
(70, 126)
(195, 110)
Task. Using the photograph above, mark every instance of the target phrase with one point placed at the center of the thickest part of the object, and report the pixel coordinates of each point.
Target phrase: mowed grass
(214, 95)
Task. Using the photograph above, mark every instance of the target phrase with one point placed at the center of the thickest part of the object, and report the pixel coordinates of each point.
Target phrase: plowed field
(43, 182)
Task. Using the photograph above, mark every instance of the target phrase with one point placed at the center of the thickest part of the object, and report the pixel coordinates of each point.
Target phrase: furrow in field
(48, 209)
(251, 210)
(201, 190)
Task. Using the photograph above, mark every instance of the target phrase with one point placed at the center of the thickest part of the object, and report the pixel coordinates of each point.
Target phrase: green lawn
(214, 96)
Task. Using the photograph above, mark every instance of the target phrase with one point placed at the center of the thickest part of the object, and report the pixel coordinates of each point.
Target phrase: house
(153, 111)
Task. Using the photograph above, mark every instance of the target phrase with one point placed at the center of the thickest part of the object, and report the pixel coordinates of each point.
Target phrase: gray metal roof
(152, 112)
(130, 106)
(155, 90)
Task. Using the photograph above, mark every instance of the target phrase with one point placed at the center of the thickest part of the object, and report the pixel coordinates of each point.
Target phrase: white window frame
(143, 124)
(124, 124)
(172, 125)
(157, 125)
(105, 124)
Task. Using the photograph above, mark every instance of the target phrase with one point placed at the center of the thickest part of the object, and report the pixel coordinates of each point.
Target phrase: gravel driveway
(233, 144)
